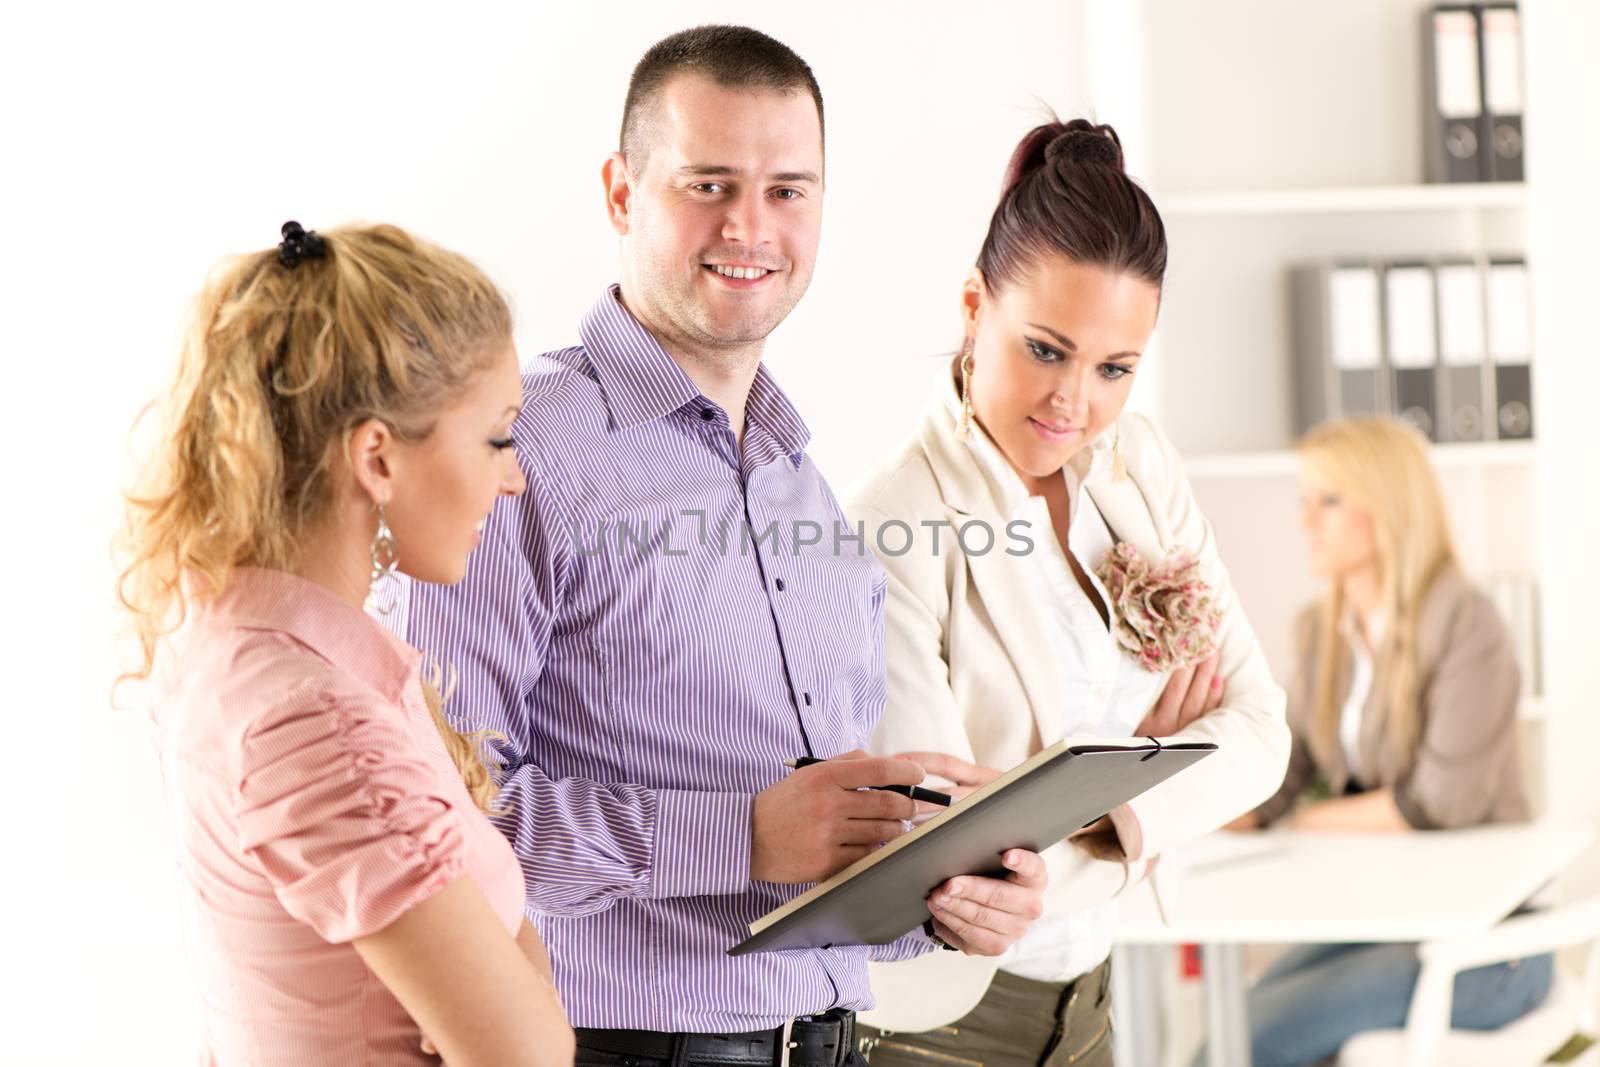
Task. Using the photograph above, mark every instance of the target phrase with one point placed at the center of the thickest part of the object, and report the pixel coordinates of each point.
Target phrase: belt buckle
(813, 1035)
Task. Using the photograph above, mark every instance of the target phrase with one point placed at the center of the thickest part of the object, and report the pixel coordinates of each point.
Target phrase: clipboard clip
(1152, 754)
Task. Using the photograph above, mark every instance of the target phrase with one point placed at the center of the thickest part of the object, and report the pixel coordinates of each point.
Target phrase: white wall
(142, 141)
(1259, 94)
(1563, 234)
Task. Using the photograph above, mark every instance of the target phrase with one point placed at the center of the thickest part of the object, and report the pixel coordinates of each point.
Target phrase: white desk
(1321, 887)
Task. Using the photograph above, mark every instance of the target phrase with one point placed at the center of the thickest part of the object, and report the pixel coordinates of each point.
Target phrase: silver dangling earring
(385, 561)
(965, 429)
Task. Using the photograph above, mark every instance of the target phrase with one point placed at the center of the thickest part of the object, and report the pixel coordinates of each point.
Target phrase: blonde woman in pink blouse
(341, 411)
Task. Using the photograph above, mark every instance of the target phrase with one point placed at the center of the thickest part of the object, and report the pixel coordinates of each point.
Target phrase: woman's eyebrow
(1071, 346)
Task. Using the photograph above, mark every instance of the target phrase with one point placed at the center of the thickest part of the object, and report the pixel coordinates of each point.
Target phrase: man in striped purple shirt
(677, 605)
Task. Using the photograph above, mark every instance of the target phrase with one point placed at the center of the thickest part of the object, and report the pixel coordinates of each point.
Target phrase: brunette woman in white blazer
(1002, 639)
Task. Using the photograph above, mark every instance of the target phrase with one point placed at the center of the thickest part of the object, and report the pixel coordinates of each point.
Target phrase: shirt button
(706, 414)
(808, 699)
(780, 585)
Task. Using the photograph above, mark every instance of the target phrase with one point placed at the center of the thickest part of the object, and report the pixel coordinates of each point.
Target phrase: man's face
(720, 225)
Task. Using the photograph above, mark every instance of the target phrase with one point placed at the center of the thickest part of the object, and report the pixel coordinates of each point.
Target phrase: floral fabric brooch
(1164, 617)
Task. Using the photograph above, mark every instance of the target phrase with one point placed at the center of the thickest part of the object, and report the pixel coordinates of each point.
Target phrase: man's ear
(369, 450)
(618, 179)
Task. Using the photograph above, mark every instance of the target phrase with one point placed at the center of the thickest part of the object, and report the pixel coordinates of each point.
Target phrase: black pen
(915, 792)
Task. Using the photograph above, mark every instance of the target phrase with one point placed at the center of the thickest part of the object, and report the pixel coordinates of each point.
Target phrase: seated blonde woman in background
(1405, 703)
(343, 402)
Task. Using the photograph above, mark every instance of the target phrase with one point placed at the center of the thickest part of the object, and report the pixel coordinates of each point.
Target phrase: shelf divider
(1466, 196)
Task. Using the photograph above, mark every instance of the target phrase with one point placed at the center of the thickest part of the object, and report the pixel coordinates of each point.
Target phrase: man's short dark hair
(735, 57)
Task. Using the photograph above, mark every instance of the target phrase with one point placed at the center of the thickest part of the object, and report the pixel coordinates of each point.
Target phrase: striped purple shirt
(655, 625)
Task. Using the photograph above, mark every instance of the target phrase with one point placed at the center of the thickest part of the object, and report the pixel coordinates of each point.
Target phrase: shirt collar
(1090, 461)
(641, 383)
(770, 408)
(260, 599)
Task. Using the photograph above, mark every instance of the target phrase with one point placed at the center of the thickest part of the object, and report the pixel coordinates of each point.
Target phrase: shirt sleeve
(872, 700)
(1302, 770)
(342, 813)
(583, 844)
(908, 946)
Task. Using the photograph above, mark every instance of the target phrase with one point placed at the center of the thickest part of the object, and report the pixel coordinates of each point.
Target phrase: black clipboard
(1034, 805)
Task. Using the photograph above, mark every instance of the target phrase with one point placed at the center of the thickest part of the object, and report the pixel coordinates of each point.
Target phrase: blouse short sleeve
(340, 810)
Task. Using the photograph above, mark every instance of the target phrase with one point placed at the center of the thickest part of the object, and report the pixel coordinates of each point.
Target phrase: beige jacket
(1467, 769)
(970, 670)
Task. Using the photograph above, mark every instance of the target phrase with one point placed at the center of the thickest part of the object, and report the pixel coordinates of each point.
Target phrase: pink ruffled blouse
(313, 803)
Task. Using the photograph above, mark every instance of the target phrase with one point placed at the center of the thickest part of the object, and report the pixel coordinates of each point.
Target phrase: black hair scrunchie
(299, 243)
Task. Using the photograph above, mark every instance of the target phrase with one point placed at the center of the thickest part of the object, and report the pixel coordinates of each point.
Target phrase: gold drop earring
(965, 429)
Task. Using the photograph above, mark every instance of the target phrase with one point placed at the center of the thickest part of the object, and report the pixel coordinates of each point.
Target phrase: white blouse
(1355, 701)
(1106, 693)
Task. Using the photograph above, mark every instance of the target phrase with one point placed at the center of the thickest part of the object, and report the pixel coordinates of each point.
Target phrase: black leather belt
(826, 1040)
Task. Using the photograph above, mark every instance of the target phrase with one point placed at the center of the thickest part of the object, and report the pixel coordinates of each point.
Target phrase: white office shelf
(1281, 462)
(1465, 196)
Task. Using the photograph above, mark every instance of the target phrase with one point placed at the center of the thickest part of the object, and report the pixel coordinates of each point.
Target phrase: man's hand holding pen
(821, 818)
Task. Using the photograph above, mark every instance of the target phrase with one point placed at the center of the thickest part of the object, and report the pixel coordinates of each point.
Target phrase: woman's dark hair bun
(1081, 142)
(1067, 193)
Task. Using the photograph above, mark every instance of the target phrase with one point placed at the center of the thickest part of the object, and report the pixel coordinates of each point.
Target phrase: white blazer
(970, 671)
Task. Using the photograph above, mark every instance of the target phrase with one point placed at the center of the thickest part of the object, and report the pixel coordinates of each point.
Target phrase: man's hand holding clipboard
(830, 813)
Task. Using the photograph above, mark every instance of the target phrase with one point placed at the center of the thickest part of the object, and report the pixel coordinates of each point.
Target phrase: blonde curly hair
(278, 366)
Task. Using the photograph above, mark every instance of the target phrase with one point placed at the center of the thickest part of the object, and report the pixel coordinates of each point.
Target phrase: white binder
(1464, 394)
